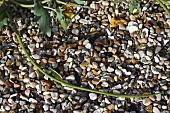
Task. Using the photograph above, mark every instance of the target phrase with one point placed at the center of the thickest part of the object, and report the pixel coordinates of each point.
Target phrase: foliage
(64, 12)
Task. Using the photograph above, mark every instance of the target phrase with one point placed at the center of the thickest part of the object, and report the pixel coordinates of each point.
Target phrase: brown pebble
(52, 60)
(94, 72)
(111, 107)
(8, 62)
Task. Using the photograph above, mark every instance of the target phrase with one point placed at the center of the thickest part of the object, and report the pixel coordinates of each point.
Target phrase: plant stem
(60, 81)
(164, 7)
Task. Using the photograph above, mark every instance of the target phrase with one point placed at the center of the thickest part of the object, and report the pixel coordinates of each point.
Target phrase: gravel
(126, 59)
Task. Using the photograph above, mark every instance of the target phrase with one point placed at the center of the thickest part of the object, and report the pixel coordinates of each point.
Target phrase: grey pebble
(75, 31)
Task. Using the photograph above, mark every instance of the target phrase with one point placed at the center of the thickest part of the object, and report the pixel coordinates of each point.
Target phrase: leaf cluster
(41, 13)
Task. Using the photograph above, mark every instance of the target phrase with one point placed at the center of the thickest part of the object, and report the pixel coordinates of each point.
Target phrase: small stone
(156, 59)
(88, 46)
(105, 3)
(164, 107)
(69, 59)
(1, 82)
(157, 49)
(35, 56)
(46, 107)
(146, 101)
(32, 100)
(141, 53)
(104, 84)
(7, 108)
(118, 72)
(32, 75)
(154, 70)
(119, 86)
(54, 95)
(52, 60)
(149, 52)
(132, 27)
(71, 78)
(75, 31)
(110, 69)
(31, 47)
(156, 110)
(158, 97)
(26, 80)
(143, 40)
(111, 107)
(84, 21)
(93, 96)
(8, 62)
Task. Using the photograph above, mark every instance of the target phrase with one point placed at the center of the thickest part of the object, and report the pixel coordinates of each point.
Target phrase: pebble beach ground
(129, 58)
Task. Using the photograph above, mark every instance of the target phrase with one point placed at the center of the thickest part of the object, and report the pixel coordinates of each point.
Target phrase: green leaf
(44, 20)
(60, 17)
(3, 16)
(80, 2)
(56, 74)
(134, 4)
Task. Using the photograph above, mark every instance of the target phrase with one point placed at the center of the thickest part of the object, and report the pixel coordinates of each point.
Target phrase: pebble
(156, 59)
(143, 40)
(141, 53)
(88, 46)
(84, 21)
(93, 96)
(146, 101)
(149, 52)
(32, 75)
(31, 47)
(36, 57)
(75, 31)
(54, 95)
(132, 27)
(158, 49)
(156, 110)
(26, 80)
(46, 107)
(118, 72)
(105, 3)
(158, 97)
(110, 69)
(71, 78)
(32, 100)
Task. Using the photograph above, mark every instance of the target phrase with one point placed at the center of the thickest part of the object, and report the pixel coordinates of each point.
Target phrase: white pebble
(158, 97)
(119, 86)
(35, 56)
(88, 46)
(110, 69)
(156, 110)
(69, 59)
(93, 96)
(146, 101)
(32, 75)
(32, 100)
(26, 80)
(7, 108)
(118, 72)
(71, 77)
(46, 107)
